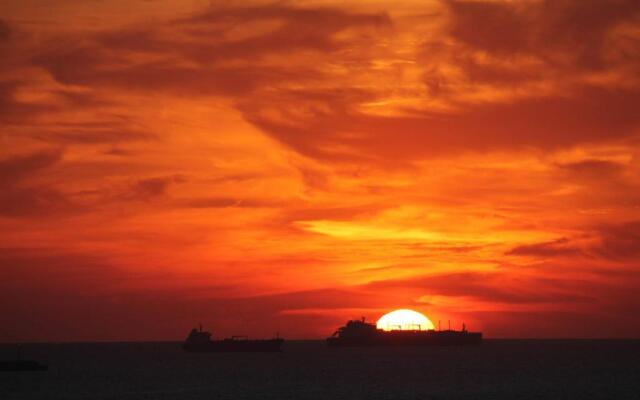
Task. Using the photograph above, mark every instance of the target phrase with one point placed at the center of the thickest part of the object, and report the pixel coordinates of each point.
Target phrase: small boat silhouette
(22, 365)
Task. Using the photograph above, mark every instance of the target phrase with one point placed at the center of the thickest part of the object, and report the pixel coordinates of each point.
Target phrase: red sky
(286, 166)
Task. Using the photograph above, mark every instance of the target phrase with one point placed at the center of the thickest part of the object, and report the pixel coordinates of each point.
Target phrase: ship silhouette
(362, 333)
(22, 365)
(199, 341)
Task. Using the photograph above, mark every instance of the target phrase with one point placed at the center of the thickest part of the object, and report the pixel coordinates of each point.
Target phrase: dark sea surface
(498, 369)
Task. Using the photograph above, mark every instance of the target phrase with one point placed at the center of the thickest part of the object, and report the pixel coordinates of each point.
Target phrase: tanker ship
(362, 333)
(199, 341)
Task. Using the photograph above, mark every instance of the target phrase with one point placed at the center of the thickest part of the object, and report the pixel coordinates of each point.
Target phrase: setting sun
(404, 320)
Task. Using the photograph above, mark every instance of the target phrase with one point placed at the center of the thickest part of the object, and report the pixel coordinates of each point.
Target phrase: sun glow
(404, 320)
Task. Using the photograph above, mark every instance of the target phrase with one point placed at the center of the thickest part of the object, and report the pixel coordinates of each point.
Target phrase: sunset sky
(284, 166)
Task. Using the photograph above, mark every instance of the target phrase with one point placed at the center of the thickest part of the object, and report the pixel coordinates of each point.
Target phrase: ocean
(498, 369)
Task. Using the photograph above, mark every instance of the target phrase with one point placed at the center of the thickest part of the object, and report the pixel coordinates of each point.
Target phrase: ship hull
(410, 338)
(235, 346)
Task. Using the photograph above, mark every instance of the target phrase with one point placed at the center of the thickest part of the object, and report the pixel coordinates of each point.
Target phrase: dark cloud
(328, 123)
(85, 62)
(332, 19)
(561, 33)
(34, 202)
(163, 76)
(508, 44)
(81, 100)
(14, 169)
(14, 111)
(594, 168)
(224, 202)
(493, 26)
(207, 37)
(488, 41)
(18, 112)
(620, 241)
(563, 38)
(94, 135)
(150, 188)
(191, 55)
(556, 248)
(497, 75)
(615, 242)
(298, 29)
(106, 128)
(117, 151)
(19, 197)
(549, 122)
(492, 287)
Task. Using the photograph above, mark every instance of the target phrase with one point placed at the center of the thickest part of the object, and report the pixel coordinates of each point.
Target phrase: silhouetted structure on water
(362, 333)
(199, 341)
(21, 365)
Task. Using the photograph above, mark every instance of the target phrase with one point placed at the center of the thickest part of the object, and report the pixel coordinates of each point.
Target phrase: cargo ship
(199, 341)
(362, 333)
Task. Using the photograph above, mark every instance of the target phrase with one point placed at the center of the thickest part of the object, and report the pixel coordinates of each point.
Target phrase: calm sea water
(499, 369)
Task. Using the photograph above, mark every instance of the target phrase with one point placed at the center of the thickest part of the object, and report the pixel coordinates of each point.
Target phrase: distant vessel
(21, 365)
(199, 341)
(362, 333)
